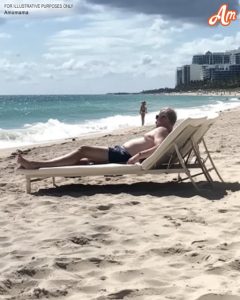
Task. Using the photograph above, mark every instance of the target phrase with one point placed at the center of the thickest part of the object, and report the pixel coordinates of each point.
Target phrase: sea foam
(53, 129)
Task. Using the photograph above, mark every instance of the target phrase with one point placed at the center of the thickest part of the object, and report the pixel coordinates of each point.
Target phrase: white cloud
(47, 76)
(214, 44)
(110, 44)
(19, 71)
(4, 35)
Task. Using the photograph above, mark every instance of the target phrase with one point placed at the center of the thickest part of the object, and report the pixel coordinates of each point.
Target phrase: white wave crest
(53, 129)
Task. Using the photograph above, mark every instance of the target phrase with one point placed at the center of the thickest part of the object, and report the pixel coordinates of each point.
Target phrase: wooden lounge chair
(178, 153)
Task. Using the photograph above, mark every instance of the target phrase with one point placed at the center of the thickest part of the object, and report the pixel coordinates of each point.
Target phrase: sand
(124, 237)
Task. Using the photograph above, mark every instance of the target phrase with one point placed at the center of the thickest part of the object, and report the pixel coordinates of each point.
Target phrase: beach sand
(124, 237)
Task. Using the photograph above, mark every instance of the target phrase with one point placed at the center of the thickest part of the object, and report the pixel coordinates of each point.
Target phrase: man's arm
(159, 136)
(141, 155)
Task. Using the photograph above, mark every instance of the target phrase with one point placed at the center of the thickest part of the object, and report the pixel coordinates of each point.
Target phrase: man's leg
(95, 154)
(142, 118)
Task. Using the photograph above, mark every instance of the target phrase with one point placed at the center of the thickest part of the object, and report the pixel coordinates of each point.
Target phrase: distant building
(211, 58)
(210, 66)
(232, 72)
(234, 56)
(179, 76)
(188, 73)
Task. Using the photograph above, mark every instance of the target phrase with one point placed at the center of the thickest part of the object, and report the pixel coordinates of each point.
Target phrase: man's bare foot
(24, 163)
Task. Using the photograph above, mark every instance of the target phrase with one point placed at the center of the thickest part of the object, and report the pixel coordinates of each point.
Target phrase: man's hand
(134, 159)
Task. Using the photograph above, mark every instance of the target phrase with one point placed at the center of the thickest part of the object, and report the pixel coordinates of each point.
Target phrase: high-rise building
(210, 66)
(179, 76)
(234, 56)
(188, 73)
(210, 58)
(232, 72)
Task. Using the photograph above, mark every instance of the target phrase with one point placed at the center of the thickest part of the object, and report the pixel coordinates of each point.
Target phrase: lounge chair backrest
(180, 136)
(197, 137)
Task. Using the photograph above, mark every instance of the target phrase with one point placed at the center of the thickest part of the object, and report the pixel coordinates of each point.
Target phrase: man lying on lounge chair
(130, 152)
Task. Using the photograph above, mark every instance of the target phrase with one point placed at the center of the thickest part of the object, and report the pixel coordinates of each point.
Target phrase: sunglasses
(161, 116)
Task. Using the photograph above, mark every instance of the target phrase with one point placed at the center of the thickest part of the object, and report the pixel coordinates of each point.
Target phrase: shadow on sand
(184, 189)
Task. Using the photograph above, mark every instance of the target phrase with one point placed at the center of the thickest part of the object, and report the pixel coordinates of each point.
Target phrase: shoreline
(85, 137)
(222, 94)
(190, 92)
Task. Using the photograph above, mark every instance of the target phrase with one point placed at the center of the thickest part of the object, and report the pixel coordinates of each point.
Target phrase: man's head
(167, 117)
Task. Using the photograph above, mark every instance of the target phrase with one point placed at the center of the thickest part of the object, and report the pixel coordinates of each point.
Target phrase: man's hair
(171, 114)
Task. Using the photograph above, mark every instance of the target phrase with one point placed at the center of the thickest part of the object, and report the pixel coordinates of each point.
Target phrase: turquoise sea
(26, 120)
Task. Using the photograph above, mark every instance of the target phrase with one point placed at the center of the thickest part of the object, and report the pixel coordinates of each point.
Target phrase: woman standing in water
(143, 111)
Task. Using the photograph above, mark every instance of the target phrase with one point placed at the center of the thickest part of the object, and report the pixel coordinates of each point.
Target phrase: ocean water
(26, 120)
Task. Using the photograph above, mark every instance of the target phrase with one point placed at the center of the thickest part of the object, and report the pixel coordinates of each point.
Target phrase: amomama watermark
(223, 16)
(26, 8)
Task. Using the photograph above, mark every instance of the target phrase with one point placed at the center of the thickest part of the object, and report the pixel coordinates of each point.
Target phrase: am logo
(224, 16)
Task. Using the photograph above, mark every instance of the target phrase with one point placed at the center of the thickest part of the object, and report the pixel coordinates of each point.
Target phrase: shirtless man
(130, 152)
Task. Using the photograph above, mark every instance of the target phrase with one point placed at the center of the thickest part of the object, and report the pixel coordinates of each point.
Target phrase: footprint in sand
(43, 293)
(78, 264)
(5, 242)
(122, 294)
(218, 297)
(104, 207)
(235, 265)
(40, 272)
(81, 240)
(129, 275)
(102, 228)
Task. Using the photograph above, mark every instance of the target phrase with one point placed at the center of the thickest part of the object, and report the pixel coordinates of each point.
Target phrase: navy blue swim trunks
(118, 154)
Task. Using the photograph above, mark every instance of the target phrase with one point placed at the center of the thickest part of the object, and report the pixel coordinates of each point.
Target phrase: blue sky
(101, 46)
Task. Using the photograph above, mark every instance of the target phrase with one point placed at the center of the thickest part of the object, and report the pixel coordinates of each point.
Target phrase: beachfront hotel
(211, 66)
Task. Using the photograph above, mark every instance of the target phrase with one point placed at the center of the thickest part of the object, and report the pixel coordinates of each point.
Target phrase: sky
(105, 46)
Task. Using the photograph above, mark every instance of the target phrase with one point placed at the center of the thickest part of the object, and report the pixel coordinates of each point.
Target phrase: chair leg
(28, 185)
(54, 181)
(179, 178)
(201, 163)
(210, 158)
(181, 160)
